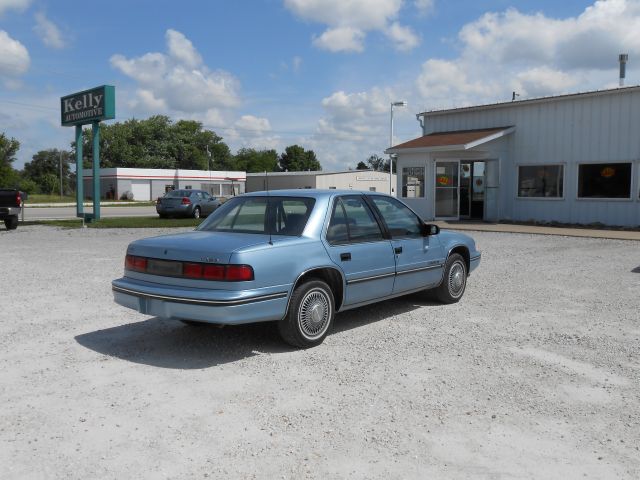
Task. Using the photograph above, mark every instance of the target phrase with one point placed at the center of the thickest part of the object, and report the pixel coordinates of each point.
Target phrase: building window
(332, 188)
(372, 189)
(187, 187)
(541, 181)
(412, 182)
(168, 188)
(604, 180)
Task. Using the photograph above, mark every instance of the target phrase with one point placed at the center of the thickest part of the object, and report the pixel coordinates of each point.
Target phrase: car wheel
(163, 215)
(196, 212)
(454, 280)
(310, 315)
(11, 223)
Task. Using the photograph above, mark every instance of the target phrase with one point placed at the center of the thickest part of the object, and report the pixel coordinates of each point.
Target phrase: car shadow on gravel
(636, 270)
(171, 344)
(381, 311)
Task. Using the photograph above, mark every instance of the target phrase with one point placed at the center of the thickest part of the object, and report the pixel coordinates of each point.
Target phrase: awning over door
(447, 141)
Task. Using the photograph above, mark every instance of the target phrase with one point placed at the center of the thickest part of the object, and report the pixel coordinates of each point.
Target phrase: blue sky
(321, 73)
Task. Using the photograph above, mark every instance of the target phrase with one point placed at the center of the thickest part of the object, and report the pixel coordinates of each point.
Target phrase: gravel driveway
(535, 374)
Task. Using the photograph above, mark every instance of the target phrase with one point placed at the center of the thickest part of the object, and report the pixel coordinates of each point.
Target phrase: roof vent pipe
(622, 58)
(420, 119)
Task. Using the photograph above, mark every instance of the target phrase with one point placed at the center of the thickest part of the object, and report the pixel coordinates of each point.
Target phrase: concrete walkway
(540, 230)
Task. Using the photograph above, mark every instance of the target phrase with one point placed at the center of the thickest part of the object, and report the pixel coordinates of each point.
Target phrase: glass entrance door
(447, 189)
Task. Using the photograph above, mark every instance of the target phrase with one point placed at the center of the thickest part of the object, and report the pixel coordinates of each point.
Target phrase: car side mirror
(429, 229)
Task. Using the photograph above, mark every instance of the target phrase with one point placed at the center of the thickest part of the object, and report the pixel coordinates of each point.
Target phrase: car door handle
(345, 257)
(398, 250)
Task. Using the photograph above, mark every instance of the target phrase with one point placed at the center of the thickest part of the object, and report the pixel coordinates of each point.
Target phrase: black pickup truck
(10, 207)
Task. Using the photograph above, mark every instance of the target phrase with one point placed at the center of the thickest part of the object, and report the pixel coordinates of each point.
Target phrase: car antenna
(266, 182)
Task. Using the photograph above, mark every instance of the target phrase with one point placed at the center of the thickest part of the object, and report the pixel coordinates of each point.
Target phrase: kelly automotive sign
(89, 106)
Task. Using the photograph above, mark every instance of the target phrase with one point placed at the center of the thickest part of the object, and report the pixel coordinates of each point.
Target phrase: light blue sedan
(296, 257)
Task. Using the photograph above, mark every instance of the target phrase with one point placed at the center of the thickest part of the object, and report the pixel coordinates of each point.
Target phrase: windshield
(275, 215)
(178, 193)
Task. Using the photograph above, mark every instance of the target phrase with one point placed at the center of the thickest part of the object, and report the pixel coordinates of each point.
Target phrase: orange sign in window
(608, 172)
(443, 180)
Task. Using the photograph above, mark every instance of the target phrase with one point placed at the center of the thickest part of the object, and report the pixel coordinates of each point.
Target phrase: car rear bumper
(6, 212)
(177, 210)
(212, 306)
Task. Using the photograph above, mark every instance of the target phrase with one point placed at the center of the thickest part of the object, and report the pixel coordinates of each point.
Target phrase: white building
(570, 159)
(150, 183)
(348, 180)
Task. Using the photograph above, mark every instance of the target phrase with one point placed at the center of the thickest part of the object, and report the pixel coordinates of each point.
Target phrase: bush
(28, 186)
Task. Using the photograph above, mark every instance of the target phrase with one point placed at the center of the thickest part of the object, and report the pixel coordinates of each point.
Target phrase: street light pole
(393, 104)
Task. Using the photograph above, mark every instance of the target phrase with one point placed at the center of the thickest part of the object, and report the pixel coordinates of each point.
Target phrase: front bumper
(225, 307)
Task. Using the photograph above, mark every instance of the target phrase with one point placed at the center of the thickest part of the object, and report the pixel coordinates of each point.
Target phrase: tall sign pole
(83, 108)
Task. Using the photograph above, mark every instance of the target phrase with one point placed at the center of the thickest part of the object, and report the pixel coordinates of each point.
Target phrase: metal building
(348, 180)
(145, 184)
(569, 158)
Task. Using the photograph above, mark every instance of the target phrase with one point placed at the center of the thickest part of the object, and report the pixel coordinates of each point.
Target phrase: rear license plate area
(165, 268)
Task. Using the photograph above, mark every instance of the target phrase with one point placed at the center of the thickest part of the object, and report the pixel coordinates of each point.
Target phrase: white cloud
(178, 81)
(590, 40)
(13, 4)
(48, 32)
(253, 124)
(533, 54)
(403, 37)
(182, 50)
(424, 7)
(341, 39)
(348, 22)
(14, 57)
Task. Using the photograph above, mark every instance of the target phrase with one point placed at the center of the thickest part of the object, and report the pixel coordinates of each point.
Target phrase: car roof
(313, 192)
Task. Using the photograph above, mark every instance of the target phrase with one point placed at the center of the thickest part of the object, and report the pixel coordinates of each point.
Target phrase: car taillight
(138, 264)
(200, 271)
(238, 273)
(214, 272)
(192, 270)
(159, 201)
(186, 201)
(18, 199)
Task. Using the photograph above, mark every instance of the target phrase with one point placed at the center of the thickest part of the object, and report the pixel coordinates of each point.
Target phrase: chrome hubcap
(314, 314)
(457, 278)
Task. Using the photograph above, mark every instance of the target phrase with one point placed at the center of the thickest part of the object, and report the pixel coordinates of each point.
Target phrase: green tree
(8, 149)
(362, 166)
(251, 160)
(46, 163)
(157, 142)
(49, 184)
(297, 159)
(378, 163)
(28, 186)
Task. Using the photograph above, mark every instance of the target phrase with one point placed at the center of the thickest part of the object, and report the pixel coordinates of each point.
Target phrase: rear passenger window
(352, 221)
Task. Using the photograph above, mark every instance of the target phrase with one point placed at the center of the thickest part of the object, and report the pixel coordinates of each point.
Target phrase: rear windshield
(178, 193)
(275, 215)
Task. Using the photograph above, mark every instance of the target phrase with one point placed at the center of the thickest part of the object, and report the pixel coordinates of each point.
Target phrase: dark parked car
(11, 207)
(187, 203)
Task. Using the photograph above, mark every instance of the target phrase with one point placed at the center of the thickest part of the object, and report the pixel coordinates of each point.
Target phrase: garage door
(141, 190)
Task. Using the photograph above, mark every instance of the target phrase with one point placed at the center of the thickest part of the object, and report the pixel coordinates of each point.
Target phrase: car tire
(196, 213)
(454, 280)
(11, 223)
(163, 215)
(310, 315)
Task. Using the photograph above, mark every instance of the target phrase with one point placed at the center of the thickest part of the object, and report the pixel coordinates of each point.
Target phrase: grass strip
(121, 222)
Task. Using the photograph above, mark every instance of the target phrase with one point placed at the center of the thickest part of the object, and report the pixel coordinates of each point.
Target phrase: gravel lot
(535, 374)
